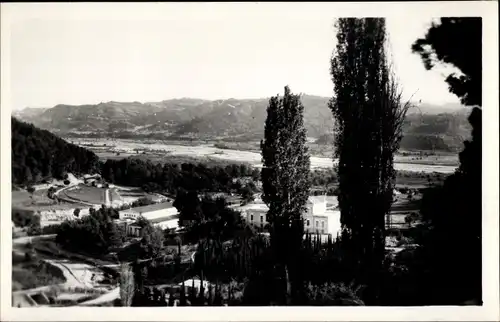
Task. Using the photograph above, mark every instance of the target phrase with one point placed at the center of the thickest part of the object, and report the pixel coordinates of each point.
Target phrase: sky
(76, 55)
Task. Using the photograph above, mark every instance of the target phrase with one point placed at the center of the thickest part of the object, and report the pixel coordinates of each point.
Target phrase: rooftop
(149, 208)
(162, 219)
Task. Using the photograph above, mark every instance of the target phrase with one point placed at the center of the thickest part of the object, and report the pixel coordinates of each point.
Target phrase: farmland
(121, 148)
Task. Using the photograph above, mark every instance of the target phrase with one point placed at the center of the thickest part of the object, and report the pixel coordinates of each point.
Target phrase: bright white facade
(320, 217)
(255, 214)
(171, 222)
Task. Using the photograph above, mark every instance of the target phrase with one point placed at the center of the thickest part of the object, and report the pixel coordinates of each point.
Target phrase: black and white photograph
(248, 155)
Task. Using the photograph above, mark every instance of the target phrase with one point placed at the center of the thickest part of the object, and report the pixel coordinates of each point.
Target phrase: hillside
(101, 117)
(39, 154)
(427, 126)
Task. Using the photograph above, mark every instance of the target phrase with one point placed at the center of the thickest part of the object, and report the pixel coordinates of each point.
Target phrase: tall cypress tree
(285, 177)
(368, 110)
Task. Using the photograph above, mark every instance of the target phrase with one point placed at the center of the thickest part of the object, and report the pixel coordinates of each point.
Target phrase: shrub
(28, 257)
(333, 294)
(25, 219)
(37, 274)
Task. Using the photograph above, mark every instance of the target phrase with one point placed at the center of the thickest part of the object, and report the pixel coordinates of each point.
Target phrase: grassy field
(86, 194)
(24, 199)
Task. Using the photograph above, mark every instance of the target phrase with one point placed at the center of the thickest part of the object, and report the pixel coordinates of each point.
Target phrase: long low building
(163, 215)
(150, 212)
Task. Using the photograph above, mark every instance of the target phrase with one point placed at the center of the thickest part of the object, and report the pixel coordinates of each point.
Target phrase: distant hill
(38, 154)
(100, 117)
(427, 125)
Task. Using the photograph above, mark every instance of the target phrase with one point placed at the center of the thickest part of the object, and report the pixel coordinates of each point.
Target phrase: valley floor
(164, 150)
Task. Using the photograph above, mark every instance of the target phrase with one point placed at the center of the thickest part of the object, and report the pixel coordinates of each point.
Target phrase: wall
(317, 224)
(130, 213)
(253, 217)
(133, 230)
(160, 213)
(124, 214)
(334, 226)
(319, 207)
(170, 224)
(52, 217)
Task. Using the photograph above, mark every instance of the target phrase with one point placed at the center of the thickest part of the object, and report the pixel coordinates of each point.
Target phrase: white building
(256, 215)
(150, 212)
(163, 215)
(320, 217)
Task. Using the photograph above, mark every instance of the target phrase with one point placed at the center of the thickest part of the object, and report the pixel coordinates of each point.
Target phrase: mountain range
(240, 119)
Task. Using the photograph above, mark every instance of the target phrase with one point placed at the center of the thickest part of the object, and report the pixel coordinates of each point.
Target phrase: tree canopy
(95, 233)
(285, 179)
(369, 114)
(456, 41)
(452, 213)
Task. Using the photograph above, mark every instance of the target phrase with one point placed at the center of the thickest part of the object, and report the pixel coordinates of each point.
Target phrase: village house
(319, 218)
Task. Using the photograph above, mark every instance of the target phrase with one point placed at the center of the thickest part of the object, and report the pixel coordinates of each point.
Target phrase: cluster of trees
(30, 221)
(323, 177)
(26, 219)
(207, 217)
(151, 244)
(95, 233)
(242, 272)
(171, 176)
(247, 192)
(38, 154)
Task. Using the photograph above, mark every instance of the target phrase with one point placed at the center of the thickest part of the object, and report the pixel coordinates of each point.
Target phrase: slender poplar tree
(127, 285)
(368, 110)
(285, 179)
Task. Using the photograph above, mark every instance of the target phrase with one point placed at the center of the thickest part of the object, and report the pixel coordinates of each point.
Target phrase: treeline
(39, 154)
(327, 179)
(170, 177)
